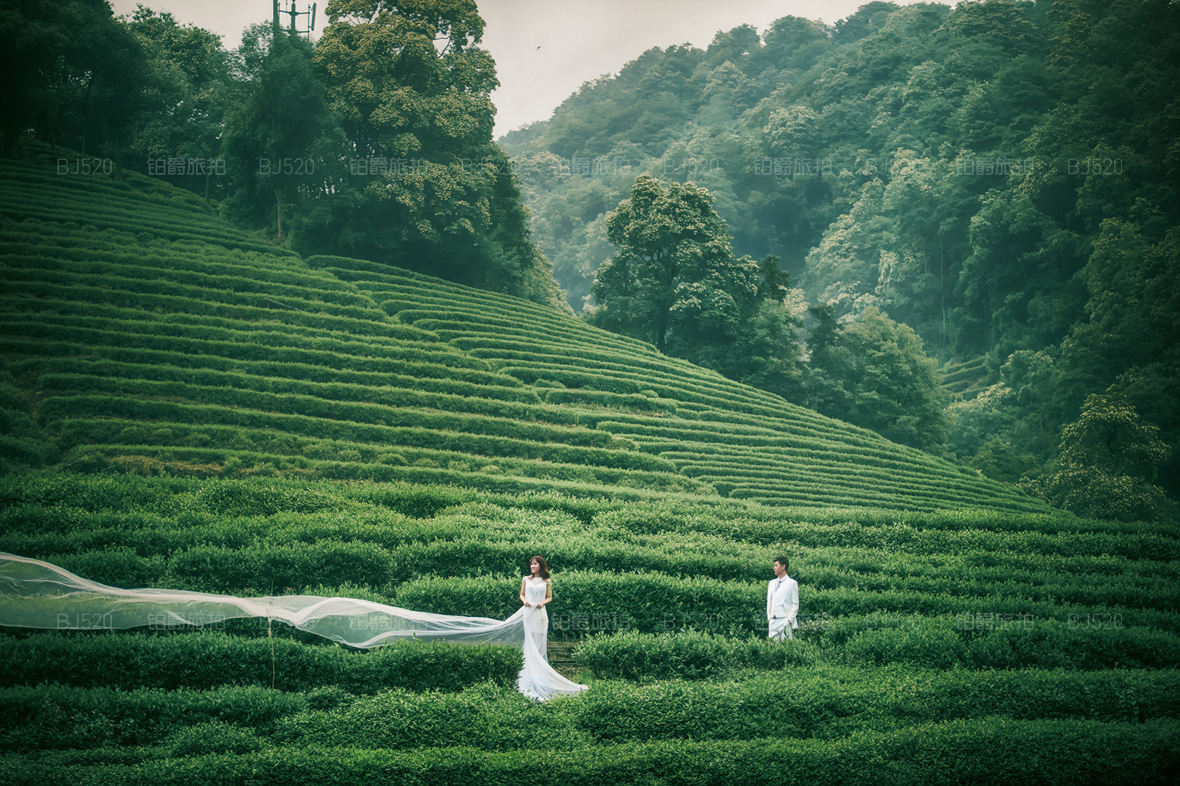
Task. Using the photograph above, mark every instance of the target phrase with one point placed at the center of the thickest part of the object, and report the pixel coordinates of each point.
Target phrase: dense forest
(992, 185)
(374, 142)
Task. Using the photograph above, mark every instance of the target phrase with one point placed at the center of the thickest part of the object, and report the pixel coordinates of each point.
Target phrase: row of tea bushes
(830, 703)
(547, 351)
(965, 641)
(983, 750)
(209, 658)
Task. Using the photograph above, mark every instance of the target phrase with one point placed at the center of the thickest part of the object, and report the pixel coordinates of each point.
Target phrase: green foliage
(482, 717)
(873, 372)
(212, 737)
(692, 655)
(22, 443)
(826, 703)
(997, 175)
(1107, 463)
(926, 632)
(830, 702)
(189, 83)
(280, 141)
(63, 716)
(970, 640)
(1067, 749)
(676, 283)
(208, 659)
(928, 645)
(428, 188)
(950, 624)
(77, 76)
(1131, 281)
(675, 274)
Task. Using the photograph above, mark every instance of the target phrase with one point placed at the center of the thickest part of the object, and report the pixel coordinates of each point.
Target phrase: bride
(536, 590)
(537, 678)
(36, 594)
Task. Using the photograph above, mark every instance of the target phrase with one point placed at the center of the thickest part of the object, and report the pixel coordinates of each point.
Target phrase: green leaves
(428, 190)
(1107, 463)
(76, 74)
(873, 372)
(674, 276)
(280, 139)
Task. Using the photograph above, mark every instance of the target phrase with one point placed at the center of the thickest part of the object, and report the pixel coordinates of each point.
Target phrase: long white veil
(37, 594)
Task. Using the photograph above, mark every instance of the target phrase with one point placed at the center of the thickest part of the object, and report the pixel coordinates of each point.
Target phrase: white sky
(546, 49)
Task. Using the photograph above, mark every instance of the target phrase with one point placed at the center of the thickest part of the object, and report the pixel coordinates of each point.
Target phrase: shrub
(987, 750)
(927, 643)
(686, 655)
(486, 716)
(211, 737)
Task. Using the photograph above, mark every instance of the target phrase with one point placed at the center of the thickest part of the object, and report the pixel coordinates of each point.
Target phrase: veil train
(37, 594)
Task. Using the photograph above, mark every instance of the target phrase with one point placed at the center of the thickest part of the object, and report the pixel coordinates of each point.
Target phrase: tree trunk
(279, 213)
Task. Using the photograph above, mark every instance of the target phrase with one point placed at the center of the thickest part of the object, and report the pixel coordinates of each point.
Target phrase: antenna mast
(291, 11)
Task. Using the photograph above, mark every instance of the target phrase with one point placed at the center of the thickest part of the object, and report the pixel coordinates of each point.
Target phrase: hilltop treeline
(375, 141)
(999, 176)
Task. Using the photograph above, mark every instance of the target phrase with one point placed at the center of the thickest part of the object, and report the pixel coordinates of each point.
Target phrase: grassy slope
(147, 335)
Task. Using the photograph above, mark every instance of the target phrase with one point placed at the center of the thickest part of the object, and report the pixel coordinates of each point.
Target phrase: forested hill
(999, 176)
(142, 334)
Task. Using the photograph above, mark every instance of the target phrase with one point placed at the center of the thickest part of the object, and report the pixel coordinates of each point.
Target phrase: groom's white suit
(782, 605)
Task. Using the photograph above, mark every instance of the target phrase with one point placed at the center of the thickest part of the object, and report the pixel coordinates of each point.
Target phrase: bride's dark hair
(544, 571)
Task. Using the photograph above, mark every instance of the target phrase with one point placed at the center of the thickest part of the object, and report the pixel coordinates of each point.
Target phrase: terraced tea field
(141, 338)
(189, 407)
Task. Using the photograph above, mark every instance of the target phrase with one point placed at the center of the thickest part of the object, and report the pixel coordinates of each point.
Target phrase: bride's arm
(522, 600)
(548, 595)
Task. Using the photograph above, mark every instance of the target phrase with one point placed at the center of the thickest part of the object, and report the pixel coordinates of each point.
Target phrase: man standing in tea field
(782, 602)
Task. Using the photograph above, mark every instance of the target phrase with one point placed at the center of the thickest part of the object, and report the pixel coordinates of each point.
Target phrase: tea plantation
(187, 406)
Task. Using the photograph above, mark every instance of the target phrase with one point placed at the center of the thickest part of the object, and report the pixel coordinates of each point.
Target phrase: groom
(782, 602)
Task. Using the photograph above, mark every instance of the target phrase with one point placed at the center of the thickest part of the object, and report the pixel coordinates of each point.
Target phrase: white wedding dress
(536, 620)
(37, 594)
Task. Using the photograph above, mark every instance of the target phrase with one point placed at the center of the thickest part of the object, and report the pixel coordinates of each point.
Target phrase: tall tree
(675, 275)
(873, 372)
(72, 73)
(188, 87)
(1107, 463)
(427, 188)
(280, 142)
(676, 282)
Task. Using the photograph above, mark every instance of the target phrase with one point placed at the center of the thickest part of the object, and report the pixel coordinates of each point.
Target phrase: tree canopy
(1107, 463)
(675, 272)
(874, 372)
(426, 188)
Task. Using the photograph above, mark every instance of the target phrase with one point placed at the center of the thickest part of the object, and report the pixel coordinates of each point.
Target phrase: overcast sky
(546, 49)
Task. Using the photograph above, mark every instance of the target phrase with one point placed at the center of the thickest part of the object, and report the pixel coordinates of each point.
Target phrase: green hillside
(188, 407)
(145, 340)
(985, 173)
